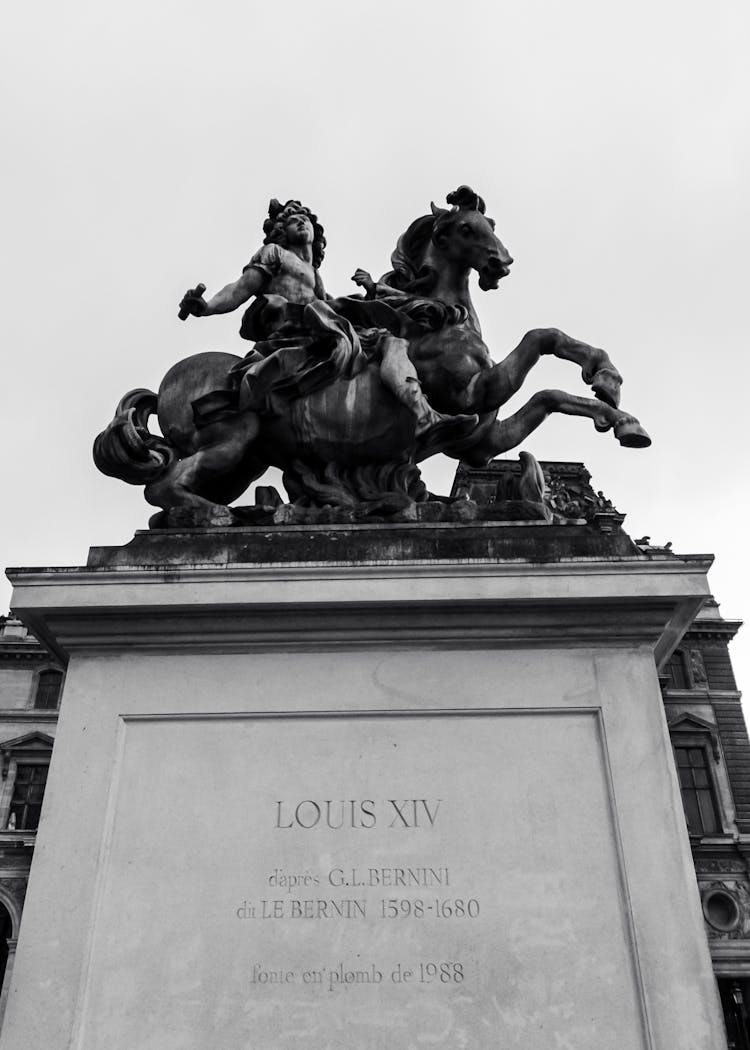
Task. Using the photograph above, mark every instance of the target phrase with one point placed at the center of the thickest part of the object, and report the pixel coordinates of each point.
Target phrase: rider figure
(284, 280)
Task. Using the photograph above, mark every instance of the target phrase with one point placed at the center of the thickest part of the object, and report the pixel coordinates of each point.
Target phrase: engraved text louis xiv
(353, 813)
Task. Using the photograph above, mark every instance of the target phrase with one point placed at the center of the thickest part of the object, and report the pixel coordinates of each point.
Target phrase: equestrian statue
(346, 395)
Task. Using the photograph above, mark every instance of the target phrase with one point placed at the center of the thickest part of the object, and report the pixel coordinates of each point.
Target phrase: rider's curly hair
(275, 227)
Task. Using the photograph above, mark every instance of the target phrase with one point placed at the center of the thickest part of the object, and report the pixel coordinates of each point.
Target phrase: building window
(697, 790)
(28, 792)
(677, 670)
(734, 992)
(48, 686)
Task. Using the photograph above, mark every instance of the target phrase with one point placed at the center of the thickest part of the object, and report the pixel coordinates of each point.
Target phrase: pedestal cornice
(321, 605)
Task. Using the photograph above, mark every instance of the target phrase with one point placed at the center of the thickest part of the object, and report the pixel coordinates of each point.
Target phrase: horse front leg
(494, 386)
(508, 433)
(596, 367)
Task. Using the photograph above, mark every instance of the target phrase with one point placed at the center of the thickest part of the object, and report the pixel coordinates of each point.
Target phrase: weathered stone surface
(551, 897)
(403, 542)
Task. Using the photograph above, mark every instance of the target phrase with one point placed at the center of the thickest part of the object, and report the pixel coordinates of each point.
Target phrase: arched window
(48, 686)
(677, 670)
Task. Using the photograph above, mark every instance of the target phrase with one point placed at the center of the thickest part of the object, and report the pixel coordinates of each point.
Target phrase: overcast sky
(142, 141)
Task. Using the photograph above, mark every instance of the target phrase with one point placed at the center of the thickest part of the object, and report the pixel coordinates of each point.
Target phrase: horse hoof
(631, 434)
(606, 386)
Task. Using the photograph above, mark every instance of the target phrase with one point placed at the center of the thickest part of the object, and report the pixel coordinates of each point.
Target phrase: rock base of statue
(335, 786)
(379, 494)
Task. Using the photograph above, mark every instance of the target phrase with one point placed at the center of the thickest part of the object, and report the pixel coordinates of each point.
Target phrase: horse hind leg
(195, 490)
(509, 433)
(181, 505)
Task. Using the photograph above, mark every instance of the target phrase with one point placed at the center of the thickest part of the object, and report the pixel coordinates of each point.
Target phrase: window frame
(38, 678)
(679, 660)
(31, 749)
(30, 764)
(689, 732)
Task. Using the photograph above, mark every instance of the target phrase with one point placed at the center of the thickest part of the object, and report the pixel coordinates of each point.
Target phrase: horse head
(464, 236)
(461, 238)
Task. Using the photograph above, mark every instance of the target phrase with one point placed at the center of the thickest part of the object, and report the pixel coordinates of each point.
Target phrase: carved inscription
(339, 976)
(353, 813)
(401, 892)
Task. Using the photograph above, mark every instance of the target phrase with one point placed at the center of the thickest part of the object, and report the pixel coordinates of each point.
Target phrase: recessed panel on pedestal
(446, 880)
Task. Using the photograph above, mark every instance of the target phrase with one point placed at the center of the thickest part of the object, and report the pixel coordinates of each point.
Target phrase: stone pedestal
(338, 797)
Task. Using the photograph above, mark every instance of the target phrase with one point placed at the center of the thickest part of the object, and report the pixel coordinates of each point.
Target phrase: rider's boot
(436, 429)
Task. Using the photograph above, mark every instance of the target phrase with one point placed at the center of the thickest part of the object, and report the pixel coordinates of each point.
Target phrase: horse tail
(127, 449)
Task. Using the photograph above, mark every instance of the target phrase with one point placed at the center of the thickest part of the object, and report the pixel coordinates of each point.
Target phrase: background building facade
(30, 685)
(712, 756)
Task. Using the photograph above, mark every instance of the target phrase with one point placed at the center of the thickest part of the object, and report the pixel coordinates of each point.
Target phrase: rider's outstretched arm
(238, 292)
(251, 283)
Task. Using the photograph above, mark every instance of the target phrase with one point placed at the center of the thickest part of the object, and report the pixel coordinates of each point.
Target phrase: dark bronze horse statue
(354, 428)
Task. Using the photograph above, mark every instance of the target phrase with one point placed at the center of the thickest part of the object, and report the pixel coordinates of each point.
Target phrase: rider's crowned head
(278, 228)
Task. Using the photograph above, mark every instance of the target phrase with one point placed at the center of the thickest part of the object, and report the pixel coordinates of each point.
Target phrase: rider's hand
(192, 303)
(364, 280)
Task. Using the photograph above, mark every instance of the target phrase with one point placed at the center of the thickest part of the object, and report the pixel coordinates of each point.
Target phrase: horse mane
(411, 275)
(408, 273)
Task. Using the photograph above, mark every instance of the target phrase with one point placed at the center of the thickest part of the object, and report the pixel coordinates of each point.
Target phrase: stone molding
(29, 714)
(587, 602)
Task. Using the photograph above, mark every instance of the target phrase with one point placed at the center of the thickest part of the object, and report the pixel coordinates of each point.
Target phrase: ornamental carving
(726, 909)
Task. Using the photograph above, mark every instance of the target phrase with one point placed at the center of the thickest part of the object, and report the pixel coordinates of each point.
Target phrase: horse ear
(438, 212)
